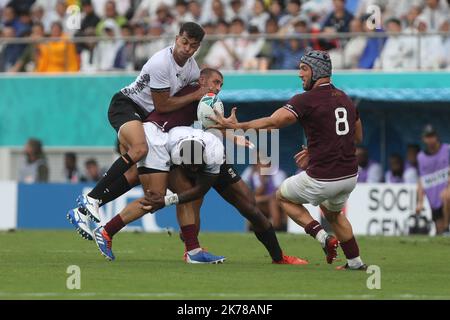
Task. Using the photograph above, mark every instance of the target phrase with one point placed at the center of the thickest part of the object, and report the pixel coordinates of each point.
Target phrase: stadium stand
(405, 35)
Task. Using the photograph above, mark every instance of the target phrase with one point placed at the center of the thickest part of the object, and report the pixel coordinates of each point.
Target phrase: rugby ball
(208, 103)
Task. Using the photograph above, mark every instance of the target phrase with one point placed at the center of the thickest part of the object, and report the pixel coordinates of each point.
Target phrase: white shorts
(158, 157)
(302, 189)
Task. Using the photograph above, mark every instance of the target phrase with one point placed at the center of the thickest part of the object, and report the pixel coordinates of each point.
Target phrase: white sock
(321, 236)
(195, 251)
(355, 262)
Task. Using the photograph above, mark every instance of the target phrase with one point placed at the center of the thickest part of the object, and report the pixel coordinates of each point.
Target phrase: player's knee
(331, 216)
(132, 176)
(278, 196)
(248, 207)
(138, 151)
(445, 196)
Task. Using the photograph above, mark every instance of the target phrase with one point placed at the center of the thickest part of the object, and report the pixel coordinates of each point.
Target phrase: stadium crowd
(396, 45)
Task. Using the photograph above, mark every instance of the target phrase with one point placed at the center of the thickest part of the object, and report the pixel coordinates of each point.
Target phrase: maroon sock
(182, 238)
(313, 228)
(114, 225)
(350, 248)
(189, 233)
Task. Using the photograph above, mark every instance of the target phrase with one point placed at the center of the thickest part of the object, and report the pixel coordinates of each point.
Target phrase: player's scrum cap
(429, 130)
(320, 63)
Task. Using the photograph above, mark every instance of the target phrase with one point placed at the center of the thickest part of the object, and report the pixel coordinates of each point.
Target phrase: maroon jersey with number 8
(328, 117)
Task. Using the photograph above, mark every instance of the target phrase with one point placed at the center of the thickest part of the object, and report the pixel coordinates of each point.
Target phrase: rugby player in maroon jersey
(229, 184)
(333, 128)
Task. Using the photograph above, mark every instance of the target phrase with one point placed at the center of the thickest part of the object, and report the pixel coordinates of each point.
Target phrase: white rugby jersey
(214, 149)
(161, 72)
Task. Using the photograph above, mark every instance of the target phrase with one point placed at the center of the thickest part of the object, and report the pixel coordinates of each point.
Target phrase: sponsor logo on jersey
(436, 178)
(231, 173)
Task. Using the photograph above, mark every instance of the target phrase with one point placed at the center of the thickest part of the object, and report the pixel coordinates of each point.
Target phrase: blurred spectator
(165, 20)
(373, 48)
(259, 16)
(71, 173)
(89, 17)
(264, 188)
(328, 16)
(125, 55)
(213, 11)
(206, 45)
(93, 172)
(237, 10)
(400, 8)
(411, 173)
(445, 62)
(38, 15)
(222, 27)
(27, 61)
(146, 11)
(434, 162)
(276, 10)
(396, 169)
(141, 48)
(11, 18)
(339, 19)
(318, 8)
(195, 10)
(348, 57)
(47, 5)
(35, 168)
(182, 14)
(398, 51)
(434, 14)
(110, 13)
(252, 59)
(21, 5)
(431, 52)
(121, 5)
(9, 53)
(293, 11)
(409, 22)
(59, 55)
(88, 60)
(107, 49)
(26, 22)
(59, 14)
(287, 56)
(229, 54)
(156, 30)
(270, 47)
(368, 170)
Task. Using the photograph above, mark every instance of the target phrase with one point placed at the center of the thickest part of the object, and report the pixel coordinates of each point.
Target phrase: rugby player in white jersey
(184, 146)
(165, 73)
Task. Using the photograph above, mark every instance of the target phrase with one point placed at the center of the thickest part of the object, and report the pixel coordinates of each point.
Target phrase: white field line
(207, 295)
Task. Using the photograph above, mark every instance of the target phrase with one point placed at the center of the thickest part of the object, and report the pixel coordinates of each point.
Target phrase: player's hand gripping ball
(206, 107)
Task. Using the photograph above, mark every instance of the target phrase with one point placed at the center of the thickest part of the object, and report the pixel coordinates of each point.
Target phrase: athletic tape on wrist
(171, 199)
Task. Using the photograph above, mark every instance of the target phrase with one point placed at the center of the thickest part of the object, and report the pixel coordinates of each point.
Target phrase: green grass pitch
(33, 265)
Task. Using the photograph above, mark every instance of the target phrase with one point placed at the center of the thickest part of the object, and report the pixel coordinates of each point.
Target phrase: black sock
(117, 188)
(118, 168)
(269, 239)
